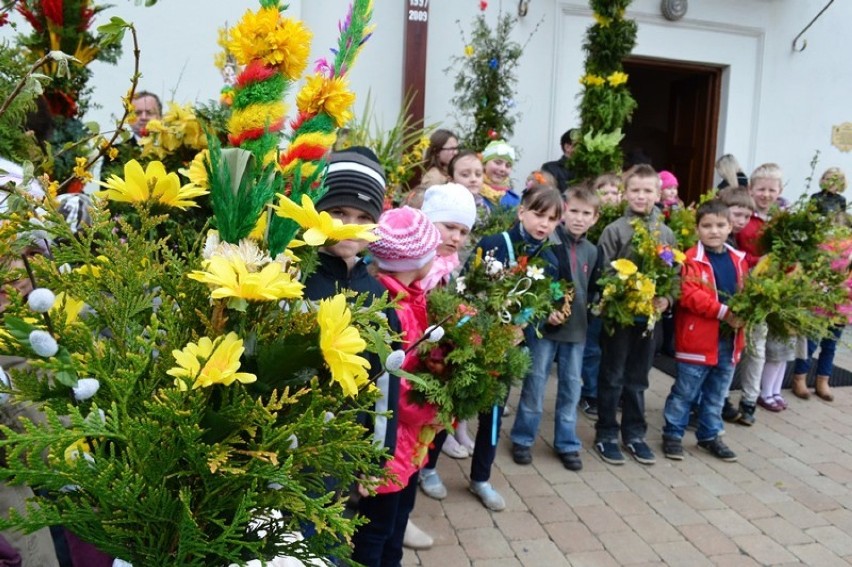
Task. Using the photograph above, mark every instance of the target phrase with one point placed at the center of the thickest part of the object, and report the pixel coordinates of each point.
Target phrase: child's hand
(733, 320)
(556, 318)
(661, 304)
(367, 486)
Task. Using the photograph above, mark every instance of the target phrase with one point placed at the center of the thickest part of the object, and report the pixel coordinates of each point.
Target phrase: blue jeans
(825, 362)
(711, 383)
(569, 360)
(592, 359)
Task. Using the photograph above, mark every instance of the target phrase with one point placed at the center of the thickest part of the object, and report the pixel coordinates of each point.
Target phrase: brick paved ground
(788, 500)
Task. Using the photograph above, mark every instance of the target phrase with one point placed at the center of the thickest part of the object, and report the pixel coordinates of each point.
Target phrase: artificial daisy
(150, 184)
(320, 226)
(210, 362)
(340, 344)
(329, 95)
(230, 277)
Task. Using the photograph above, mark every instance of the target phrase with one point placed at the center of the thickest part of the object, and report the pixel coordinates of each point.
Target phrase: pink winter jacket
(417, 423)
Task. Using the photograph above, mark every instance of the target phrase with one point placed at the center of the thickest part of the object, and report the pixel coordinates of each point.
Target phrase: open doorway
(676, 121)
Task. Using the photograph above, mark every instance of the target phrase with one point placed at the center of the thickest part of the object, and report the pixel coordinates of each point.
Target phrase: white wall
(777, 106)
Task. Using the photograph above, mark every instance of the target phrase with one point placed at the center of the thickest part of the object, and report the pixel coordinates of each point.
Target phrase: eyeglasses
(450, 149)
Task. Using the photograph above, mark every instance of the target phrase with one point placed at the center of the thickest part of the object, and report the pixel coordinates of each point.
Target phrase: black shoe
(672, 448)
(571, 461)
(589, 407)
(746, 414)
(641, 452)
(730, 413)
(718, 449)
(609, 452)
(521, 454)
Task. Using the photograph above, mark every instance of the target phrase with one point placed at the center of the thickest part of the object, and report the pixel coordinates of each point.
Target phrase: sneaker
(589, 407)
(571, 461)
(507, 410)
(718, 449)
(432, 485)
(780, 401)
(641, 452)
(609, 452)
(730, 413)
(490, 498)
(521, 454)
(747, 413)
(672, 448)
(769, 404)
(454, 449)
(415, 538)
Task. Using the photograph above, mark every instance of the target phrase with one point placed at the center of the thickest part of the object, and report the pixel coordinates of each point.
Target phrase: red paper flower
(483, 5)
(492, 133)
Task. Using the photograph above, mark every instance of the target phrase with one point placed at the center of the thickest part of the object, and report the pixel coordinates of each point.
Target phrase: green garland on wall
(606, 103)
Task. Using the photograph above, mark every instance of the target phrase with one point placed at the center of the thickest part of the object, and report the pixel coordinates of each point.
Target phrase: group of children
(424, 243)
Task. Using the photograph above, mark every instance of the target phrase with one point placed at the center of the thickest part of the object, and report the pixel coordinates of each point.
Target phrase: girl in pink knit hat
(669, 191)
(404, 253)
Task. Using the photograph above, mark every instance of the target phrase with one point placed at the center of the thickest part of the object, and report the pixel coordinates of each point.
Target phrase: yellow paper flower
(220, 359)
(151, 184)
(592, 80)
(624, 267)
(230, 278)
(340, 344)
(332, 96)
(67, 306)
(602, 21)
(617, 78)
(197, 171)
(275, 40)
(468, 51)
(80, 171)
(679, 256)
(320, 226)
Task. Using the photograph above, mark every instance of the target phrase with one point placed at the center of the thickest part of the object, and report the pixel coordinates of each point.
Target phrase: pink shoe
(780, 401)
(769, 404)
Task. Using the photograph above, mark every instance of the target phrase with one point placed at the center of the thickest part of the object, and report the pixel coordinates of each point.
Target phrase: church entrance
(676, 121)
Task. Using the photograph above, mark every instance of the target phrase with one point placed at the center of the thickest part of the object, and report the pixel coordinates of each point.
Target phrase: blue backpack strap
(510, 250)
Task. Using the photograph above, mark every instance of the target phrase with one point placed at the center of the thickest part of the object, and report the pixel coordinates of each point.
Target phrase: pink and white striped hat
(407, 240)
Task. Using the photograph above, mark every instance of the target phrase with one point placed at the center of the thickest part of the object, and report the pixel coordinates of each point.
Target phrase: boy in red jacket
(708, 336)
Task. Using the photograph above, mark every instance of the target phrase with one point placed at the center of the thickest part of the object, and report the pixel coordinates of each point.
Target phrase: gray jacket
(577, 259)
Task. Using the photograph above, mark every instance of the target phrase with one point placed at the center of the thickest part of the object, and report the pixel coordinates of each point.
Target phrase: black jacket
(332, 276)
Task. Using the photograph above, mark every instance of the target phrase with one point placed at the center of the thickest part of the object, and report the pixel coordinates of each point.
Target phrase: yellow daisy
(230, 277)
(340, 344)
(151, 184)
(320, 226)
(220, 359)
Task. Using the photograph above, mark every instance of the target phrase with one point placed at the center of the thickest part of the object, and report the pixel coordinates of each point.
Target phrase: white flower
(435, 333)
(275, 486)
(394, 360)
(121, 563)
(247, 250)
(41, 300)
(460, 285)
(86, 388)
(43, 343)
(327, 417)
(535, 272)
(494, 268)
(65, 268)
(294, 442)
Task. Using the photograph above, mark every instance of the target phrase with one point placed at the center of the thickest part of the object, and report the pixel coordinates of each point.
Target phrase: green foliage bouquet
(197, 408)
(629, 290)
(476, 361)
